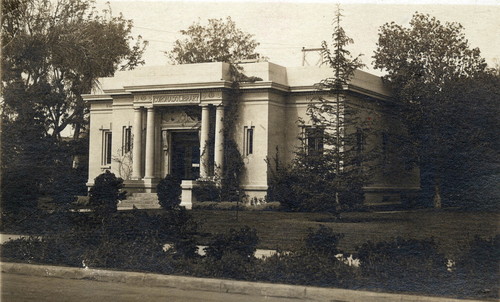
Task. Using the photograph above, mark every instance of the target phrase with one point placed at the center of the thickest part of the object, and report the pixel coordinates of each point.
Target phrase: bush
(206, 191)
(313, 263)
(141, 253)
(403, 264)
(231, 255)
(19, 192)
(242, 242)
(131, 240)
(298, 190)
(478, 269)
(169, 192)
(306, 268)
(105, 194)
(179, 227)
(24, 249)
(323, 241)
(482, 256)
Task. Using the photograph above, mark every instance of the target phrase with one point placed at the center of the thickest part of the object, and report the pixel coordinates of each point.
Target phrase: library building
(153, 121)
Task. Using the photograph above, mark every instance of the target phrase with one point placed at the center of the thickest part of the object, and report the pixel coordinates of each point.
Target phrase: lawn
(452, 230)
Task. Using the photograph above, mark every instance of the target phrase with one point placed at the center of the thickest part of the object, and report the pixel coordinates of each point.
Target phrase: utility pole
(306, 50)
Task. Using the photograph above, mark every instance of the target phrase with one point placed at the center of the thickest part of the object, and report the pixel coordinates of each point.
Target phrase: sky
(284, 27)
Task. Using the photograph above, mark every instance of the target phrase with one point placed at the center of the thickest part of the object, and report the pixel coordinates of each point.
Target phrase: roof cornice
(129, 90)
(183, 86)
(97, 97)
(264, 85)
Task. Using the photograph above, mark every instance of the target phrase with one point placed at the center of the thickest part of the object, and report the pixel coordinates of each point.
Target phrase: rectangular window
(106, 150)
(126, 139)
(249, 132)
(314, 140)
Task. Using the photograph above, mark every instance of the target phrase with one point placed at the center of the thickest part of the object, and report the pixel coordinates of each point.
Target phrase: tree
(219, 41)
(52, 53)
(421, 62)
(334, 136)
(105, 194)
(470, 174)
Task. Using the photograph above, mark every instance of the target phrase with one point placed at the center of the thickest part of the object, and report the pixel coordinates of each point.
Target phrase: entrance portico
(176, 137)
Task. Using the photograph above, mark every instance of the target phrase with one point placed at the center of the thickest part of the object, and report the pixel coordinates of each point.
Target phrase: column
(150, 143)
(219, 138)
(204, 133)
(137, 145)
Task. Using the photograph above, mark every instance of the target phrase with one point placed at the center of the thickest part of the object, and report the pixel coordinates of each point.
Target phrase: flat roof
(197, 74)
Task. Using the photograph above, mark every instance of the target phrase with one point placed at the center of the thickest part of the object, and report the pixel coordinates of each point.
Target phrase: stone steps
(140, 201)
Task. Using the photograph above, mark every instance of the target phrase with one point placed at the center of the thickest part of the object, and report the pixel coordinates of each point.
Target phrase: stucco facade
(153, 121)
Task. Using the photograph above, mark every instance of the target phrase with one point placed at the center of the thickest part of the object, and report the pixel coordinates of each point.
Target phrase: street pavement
(32, 288)
(28, 282)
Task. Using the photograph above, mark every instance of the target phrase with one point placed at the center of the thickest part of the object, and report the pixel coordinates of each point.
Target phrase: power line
(178, 32)
(259, 47)
(155, 29)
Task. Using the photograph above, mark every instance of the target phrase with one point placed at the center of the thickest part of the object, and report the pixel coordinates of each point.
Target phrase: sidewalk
(214, 285)
(8, 237)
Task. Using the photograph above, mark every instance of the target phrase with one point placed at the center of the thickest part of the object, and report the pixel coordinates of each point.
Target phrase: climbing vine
(233, 161)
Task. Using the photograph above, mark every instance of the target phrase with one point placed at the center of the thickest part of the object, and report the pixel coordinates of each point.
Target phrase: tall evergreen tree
(333, 139)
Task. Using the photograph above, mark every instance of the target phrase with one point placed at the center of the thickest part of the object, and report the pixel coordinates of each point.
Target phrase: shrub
(312, 263)
(169, 192)
(482, 256)
(25, 249)
(306, 268)
(323, 241)
(231, 255)
(179, 227)
(19, 191)
(141, 253)
(298, 190)
(124, 241)
(104, 195)
(242, 242)
(403, 264)
(230, 265)
(478, 269)
(206, 191)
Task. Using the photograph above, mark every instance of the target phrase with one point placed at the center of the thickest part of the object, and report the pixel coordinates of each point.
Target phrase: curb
(214, 285)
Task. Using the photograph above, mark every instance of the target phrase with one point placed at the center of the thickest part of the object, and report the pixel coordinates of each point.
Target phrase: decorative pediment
(181, 115)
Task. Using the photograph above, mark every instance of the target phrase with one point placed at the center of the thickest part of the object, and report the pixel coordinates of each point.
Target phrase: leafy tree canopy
(52, 52)
(423, 62)
(427, 52)
(219, 41)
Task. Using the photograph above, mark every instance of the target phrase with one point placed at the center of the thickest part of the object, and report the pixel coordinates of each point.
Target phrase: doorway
(185, 162)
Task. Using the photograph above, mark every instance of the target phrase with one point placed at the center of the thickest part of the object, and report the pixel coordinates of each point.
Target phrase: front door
(185, 155)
